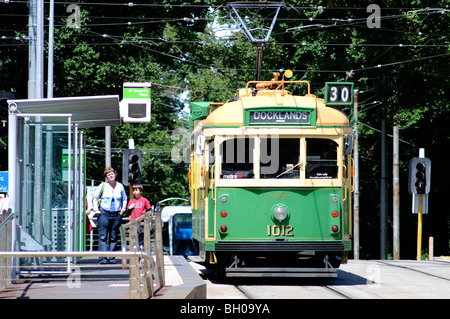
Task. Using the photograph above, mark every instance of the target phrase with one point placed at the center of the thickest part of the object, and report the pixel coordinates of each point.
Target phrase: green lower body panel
(264, 214)
(273, 220)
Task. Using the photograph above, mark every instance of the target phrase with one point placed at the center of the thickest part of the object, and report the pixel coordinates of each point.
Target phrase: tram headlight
(280, 213)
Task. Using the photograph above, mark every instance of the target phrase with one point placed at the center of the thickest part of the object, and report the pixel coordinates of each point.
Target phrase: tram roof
(231, 114)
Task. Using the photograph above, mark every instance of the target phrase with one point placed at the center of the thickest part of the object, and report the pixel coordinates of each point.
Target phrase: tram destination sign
(280, 117)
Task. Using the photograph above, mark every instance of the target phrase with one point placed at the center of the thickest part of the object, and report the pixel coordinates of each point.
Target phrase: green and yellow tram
(271, 181)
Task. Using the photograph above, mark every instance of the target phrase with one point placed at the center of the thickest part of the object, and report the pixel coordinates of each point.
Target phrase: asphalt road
(358, 279)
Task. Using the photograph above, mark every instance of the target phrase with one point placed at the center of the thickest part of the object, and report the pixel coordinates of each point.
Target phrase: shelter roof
(86, 111)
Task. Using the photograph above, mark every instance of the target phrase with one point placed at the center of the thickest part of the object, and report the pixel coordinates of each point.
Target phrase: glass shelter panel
(45, 187)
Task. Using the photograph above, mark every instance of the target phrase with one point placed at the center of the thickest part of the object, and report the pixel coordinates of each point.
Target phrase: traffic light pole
(419, 226)
(419, 182)
(420, 206)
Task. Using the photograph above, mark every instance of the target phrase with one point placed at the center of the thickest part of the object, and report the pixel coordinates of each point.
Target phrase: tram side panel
(202, 201)
(347, 217)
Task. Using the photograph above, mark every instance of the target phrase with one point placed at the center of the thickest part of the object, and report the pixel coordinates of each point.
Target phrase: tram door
(348, 175)
(48, 196)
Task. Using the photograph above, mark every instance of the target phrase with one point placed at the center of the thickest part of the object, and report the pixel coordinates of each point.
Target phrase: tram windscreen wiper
(288, 170)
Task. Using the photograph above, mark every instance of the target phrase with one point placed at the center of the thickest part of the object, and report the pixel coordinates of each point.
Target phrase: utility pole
(32, 26)
(51, 30)
(383, 188)
(356, 168)
(107, 146)
(40, 50)
(396, 192)
(36, 91)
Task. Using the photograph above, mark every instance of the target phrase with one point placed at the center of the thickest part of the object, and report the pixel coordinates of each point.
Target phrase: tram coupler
(280, 272)
(234, 270)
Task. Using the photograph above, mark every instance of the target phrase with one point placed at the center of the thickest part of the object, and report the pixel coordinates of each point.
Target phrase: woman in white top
(109, 203)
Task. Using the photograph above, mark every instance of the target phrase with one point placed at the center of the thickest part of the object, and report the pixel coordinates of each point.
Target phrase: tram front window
(237, 158)
(280, 158)
(321, 159)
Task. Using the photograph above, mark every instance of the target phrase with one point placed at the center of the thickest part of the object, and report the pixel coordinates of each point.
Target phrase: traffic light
(419, 175)
(4, 97)
(131, 168)
(3, 110)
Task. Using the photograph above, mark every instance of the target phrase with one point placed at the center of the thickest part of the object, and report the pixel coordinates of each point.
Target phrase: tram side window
(212, 158)
(280, 158)
(321, 159)
(237, 158)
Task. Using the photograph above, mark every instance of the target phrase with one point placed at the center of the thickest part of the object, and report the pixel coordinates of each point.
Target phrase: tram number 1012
(277, 230)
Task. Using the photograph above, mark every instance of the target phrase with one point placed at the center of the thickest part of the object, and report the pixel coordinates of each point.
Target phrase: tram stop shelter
(46, 185)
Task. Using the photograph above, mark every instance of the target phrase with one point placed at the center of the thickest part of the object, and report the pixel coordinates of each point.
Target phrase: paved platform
(92, 281)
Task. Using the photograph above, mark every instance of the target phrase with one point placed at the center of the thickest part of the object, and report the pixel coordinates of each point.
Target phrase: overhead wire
(118, 40)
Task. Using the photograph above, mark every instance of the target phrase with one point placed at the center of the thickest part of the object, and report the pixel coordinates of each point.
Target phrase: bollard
(431, 248)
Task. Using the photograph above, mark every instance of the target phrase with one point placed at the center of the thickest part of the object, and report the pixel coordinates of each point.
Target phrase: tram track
(266, 288)
(358, 280)
(301, 291)
(244, 292)
(416, 270)
(338, 292)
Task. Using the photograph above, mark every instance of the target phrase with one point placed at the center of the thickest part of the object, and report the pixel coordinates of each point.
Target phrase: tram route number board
(339, 93)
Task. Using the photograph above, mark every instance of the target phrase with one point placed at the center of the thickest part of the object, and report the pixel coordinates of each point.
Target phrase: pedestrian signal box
(135, 106)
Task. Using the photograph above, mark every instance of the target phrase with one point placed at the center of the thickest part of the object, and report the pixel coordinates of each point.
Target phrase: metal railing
(106, 254)
(137, 236)
(5, 245)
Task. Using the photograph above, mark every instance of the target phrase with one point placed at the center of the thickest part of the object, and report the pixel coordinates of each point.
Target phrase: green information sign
(136, 93)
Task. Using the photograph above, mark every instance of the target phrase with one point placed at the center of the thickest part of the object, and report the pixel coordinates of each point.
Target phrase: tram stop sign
(135, 106)
(3, 182)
